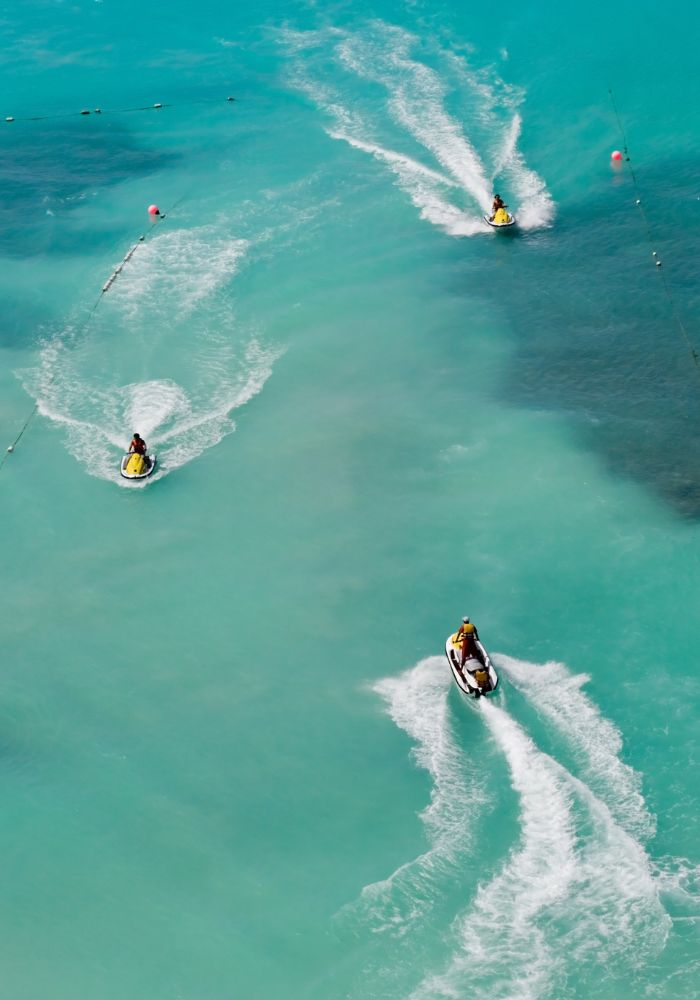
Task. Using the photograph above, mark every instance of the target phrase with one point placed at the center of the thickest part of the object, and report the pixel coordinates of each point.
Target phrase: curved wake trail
(423, 187)
(535, 207)
(402, 114)
(171, 308)
(503, 949)
(416, 102)
(178, 426)
(577, 889)
(417, 701)
(615, 912)
(557, 696)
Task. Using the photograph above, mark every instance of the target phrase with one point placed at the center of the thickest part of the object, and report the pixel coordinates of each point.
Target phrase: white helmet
(465, 620)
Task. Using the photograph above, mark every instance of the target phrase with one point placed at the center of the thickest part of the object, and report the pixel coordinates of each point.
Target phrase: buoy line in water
(158, 106)
(153, 210)
(650, 236)
(155, 214)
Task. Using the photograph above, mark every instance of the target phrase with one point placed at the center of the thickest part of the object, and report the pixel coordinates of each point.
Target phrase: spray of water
(172, 307)
(576, 887)
(411, 103)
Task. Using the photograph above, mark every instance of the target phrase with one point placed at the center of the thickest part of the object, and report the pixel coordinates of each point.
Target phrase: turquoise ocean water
(233, 763)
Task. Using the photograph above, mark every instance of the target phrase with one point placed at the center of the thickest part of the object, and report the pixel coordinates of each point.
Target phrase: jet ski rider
(497, 203)
(467, 635)
(138, 447)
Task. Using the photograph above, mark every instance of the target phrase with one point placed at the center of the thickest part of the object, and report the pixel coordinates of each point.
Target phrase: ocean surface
(233, 762)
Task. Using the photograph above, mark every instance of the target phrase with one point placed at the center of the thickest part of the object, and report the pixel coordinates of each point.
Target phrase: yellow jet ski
(135, 466)
(501, 219)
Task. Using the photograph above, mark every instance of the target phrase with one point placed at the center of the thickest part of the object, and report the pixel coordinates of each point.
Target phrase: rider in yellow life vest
(466, 637)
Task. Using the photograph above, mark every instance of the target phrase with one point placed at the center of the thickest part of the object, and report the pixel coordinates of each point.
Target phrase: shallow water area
(233, 757)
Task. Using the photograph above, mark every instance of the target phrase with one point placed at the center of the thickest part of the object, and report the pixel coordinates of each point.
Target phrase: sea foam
(171, 305)
(558, 697)
(417, 701)
(576, 887)
(423, 102)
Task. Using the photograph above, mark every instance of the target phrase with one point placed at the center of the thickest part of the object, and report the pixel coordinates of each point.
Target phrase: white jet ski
(135, 466)
(477, 677)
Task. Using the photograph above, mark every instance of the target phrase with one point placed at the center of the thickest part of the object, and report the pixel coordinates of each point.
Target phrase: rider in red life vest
(138, 444)
(497, 203)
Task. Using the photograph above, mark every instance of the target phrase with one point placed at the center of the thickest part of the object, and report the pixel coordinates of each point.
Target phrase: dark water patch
(595, 332)
(49, 169)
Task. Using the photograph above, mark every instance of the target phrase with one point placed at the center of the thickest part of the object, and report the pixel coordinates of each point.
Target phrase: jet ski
(135, 466)
(477, 677)
(500, 220)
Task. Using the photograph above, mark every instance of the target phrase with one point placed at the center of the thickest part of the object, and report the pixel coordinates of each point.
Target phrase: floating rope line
(125, 260)
(86, 323)
(118, 269)
(114, 111)
(24, 427)
(650, 237)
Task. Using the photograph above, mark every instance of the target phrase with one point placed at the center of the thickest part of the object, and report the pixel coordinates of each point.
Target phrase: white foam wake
(614, 912)
(473, 145)
(577, 889)
(177, 425)
(503, 949)
(558, 697)
(423, 186)
(169, 312)
(535, 206)
(416, 102)
(417, 701)
(178, 268)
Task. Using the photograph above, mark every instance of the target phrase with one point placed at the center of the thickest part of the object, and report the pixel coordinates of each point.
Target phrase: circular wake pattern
(171, 312)
(178, 426)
